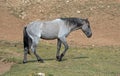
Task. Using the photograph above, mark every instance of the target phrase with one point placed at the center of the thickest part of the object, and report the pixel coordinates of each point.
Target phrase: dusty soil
(103, 15)
(10, 28)
(104, 18)
(5, 67)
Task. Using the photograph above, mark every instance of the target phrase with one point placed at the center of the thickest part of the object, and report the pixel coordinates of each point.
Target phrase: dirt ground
(4, 67)
(104, 18)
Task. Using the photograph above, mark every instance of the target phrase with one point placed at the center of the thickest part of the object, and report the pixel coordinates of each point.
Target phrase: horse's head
(86, 28)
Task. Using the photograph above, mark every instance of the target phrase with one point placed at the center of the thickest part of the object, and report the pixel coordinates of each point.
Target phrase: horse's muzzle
(89, 36)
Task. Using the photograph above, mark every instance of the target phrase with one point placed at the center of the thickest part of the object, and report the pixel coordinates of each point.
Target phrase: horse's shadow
(65, 59)
(82, 57)
(52, 59)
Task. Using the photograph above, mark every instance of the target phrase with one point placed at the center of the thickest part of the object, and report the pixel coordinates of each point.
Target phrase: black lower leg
(57, 57)
(38, 57)
(25, 55)
(61, 56)
(40, 60)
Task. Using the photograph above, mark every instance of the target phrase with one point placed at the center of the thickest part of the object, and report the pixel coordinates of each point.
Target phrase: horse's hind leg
(58, 49)
(25, 55)
(33, 47)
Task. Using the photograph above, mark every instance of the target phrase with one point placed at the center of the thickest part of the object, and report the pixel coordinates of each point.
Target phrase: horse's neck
(72, 28)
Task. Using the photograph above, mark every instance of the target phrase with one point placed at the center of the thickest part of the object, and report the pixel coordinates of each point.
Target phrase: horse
(55, 29)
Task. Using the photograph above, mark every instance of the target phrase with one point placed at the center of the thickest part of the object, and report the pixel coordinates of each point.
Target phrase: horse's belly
(49, 36)
(50, 31)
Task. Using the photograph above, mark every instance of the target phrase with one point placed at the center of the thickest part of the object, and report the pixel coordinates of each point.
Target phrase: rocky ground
(103, 16)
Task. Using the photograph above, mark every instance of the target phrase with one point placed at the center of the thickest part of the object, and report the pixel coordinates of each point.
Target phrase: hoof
(57, 58)
(24, 62)
(60, 60)
(41, 60)
(60, 57)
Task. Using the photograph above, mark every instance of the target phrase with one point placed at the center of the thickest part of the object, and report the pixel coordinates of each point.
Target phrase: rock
(78, 11)
(41, 74)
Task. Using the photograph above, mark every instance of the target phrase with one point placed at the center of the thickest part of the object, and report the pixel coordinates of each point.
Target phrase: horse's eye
(88, 26)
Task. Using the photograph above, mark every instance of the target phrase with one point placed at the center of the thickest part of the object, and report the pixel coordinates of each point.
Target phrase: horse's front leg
(58, 49)
(63, 40)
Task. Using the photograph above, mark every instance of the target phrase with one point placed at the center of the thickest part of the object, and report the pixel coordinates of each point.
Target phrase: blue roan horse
(56, 29)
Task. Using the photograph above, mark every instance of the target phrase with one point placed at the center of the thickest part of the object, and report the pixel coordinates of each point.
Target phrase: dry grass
(90, 61)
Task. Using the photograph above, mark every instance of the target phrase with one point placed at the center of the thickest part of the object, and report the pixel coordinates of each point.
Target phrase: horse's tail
(26, 40)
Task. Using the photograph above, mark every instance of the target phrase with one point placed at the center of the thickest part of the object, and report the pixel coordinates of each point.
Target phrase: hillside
(104, 18)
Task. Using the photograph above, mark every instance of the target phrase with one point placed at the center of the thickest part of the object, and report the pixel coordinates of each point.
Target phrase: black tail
(26, 40)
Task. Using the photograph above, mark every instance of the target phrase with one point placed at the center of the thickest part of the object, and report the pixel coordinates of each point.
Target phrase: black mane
(73, 21)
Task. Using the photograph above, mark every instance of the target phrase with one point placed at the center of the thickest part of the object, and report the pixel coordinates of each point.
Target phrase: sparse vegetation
(84, 61)
(40, 9)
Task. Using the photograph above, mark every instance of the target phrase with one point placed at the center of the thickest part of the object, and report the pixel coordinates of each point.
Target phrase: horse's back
(46, 29)
(34, 24)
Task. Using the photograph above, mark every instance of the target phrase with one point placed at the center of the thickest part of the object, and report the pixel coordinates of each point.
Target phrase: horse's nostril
(90, 36)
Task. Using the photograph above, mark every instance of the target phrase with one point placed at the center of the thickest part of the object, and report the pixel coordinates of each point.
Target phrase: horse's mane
(73, 21)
